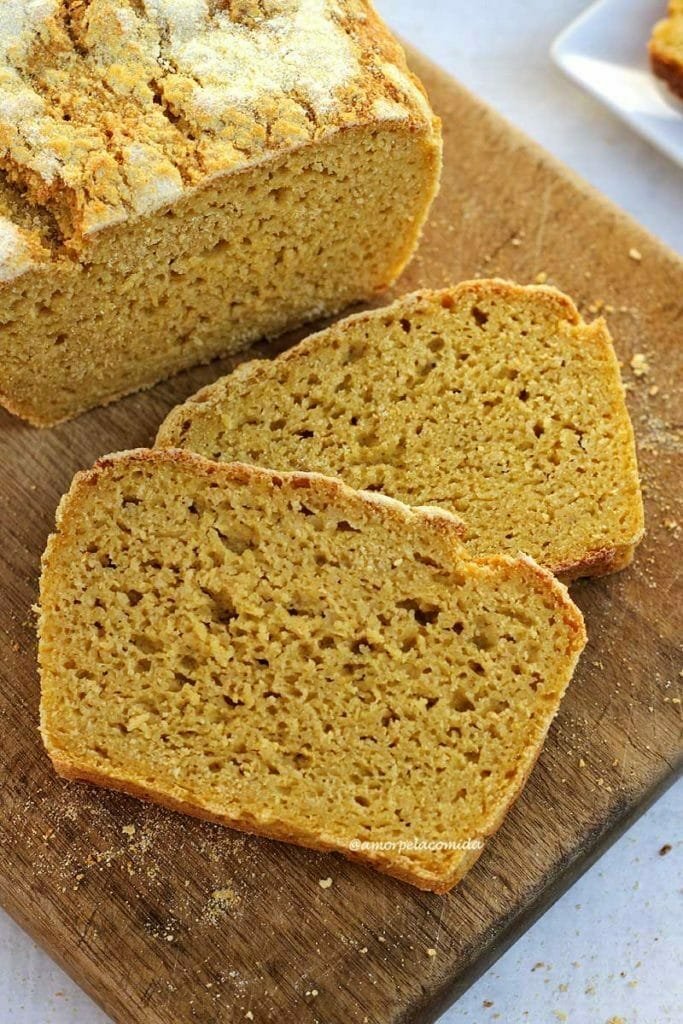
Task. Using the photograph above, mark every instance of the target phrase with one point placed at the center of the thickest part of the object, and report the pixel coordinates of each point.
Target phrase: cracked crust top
(112, 109)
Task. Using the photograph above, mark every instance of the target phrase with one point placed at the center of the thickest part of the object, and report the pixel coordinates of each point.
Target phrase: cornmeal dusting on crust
(15, 256)
(113, 109)
(300, 49)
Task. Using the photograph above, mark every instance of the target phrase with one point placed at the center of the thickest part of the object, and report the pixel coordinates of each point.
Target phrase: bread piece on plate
(666, 48)
(180, 179)
(287, 656)
(489, 399)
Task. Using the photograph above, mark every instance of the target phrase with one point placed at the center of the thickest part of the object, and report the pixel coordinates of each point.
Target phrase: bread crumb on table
(325, 883)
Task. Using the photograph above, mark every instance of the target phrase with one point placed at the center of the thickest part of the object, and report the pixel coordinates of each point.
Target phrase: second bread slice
(492, 400)
(279, 653)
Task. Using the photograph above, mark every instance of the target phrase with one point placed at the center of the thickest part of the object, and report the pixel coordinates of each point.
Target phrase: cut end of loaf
(247, 257)
(284, 655)
(239, 188)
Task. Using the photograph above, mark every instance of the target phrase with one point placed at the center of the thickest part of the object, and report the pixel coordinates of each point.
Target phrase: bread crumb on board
(325, 883)
(226, 897)
(640, 365)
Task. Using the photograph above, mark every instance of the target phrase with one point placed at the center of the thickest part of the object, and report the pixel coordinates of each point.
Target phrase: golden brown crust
(413, 875)
(602, 562)
(446, 523)
(448, 528)
(668, 69)
(666, 48)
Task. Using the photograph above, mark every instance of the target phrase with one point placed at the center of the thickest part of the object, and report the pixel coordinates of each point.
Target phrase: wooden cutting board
(165, 919)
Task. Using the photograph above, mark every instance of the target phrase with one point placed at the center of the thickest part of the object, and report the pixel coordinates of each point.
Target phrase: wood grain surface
(165, 919)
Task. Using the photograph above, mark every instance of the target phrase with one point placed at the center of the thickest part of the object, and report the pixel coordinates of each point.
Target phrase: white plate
(605, 51)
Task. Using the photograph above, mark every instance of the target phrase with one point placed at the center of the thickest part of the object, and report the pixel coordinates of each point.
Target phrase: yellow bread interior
(256, 254)
(492, 400)
(287, 656)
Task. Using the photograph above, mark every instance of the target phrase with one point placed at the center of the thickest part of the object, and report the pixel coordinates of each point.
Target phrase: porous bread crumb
(488, 399)
(203, 174)
(227, 634)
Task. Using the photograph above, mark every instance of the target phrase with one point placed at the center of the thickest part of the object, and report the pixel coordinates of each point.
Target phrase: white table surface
(609, 952)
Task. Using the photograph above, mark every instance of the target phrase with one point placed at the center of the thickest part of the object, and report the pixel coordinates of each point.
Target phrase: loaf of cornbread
(284, 655)
(666, 48)
(178, 179)
(489, 399)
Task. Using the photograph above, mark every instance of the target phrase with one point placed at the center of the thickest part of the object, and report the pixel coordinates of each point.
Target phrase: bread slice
(666, 48)
(292, 658)
(494, 401)
(180, 179)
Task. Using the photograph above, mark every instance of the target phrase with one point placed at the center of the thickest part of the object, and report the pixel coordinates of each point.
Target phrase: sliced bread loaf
(289, 657)
(666, 48)
(179, 178)
(491, 400)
